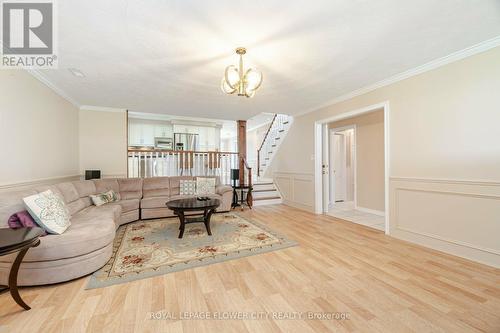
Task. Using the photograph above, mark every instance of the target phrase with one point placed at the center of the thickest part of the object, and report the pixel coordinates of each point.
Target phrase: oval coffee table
(18, 240)
(181, 206)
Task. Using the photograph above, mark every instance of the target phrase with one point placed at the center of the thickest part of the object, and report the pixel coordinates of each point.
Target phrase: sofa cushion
(86, 234)
(128, 205)
(156, 187)
(49, 211)
(85, 188)
(205, 186)
(177, 197)
(68, 192)
(104, 185)
(217, 179)
(187, 187)
(175, 184)
(154, 202)
(113, 211)
(71, 197)
(130, 188)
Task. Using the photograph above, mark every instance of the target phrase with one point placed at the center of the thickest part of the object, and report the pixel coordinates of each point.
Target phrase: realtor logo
(28, 32)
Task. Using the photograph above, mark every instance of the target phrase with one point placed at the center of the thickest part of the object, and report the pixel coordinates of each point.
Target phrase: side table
(12, 241)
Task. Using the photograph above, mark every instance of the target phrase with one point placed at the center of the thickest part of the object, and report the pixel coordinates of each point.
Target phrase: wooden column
(242, 148)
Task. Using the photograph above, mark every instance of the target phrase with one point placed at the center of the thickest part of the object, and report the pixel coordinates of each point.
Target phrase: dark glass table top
(17, 238)
(193, 204)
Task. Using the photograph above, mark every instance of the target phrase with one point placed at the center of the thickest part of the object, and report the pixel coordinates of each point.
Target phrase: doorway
(345, 186)
(342, 162)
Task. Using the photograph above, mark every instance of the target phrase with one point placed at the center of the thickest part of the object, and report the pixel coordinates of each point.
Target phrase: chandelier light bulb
(240, 81)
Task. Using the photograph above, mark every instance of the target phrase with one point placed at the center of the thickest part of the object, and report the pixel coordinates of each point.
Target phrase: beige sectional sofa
(88, 243)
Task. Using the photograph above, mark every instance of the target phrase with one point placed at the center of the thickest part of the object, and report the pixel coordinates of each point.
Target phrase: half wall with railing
(157, 163)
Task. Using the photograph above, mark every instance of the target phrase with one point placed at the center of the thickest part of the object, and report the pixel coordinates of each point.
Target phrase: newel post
(242, 148)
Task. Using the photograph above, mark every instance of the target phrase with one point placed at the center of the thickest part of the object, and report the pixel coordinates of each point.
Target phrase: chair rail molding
(37, 182)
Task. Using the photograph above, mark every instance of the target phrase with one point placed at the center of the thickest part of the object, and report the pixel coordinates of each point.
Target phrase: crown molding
(39, 76)
(434, 64)
(101, 108)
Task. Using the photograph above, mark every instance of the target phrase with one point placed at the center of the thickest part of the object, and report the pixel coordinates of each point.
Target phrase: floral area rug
(149, 248)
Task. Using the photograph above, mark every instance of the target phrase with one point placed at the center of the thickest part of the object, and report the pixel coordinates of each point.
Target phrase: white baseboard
(370, 211)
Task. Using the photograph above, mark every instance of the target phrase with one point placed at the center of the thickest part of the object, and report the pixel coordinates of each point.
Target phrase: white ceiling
(168, 57)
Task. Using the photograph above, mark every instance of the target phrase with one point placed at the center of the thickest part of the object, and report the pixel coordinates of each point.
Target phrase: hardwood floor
(382, 284)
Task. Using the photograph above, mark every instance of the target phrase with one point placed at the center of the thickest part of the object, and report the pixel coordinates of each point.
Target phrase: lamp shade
(235, 174)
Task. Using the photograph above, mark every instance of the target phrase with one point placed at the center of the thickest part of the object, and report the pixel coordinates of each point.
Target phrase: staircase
(265, 193)
(272, 140)
(264, 190)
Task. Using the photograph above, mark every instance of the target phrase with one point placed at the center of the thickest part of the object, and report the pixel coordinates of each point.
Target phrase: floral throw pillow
(104, 198)
(205, 186)
(188, 187)
(49, 211)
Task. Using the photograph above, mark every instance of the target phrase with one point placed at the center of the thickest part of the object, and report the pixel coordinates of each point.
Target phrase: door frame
(331, 132)
(319, 128)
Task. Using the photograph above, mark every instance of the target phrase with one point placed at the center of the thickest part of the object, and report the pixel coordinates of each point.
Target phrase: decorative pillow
(49, 211)
(188, 187)
(104, 198)
(205, 186)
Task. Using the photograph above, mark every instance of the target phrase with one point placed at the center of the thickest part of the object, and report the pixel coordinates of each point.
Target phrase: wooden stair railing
(262, 144)
(249, 173)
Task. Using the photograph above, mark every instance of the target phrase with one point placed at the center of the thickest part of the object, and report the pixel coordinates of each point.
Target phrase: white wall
(444, 156)
(38, 131)
(255, 137)
(103, 141)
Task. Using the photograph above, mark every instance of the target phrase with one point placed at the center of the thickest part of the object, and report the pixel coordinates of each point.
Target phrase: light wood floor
(385, 285)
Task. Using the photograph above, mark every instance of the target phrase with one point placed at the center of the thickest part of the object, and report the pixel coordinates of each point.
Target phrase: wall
(38, 132)
(255, 137)
(444, 156)
(103, 141)
(370, 158)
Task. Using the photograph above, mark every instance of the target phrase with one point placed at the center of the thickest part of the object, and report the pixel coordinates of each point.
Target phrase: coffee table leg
(13, 279)
(207, 221)
(183, 223)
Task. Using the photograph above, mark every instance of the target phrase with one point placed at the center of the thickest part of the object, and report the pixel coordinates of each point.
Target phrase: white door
(339, 166)
(325, 159)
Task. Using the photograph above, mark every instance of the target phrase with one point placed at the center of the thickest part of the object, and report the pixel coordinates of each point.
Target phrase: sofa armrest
(223, 189)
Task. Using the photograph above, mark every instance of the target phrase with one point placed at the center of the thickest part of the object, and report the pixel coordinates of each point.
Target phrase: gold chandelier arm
(223, 87)
(226, 76)
(261, 77)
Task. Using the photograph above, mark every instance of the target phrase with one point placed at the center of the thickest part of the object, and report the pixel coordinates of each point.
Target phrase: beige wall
(369, 157)
(254, 140)
(103, 142)
(444, 156)
(38, 131)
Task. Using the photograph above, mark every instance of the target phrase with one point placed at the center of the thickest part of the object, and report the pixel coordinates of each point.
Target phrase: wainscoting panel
(458, 217)
(297, 189)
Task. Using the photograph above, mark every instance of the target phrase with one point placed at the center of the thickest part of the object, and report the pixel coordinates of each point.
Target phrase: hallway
(346, 211)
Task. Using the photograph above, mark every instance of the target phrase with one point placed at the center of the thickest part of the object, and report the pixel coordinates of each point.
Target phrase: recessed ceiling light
(76, 72)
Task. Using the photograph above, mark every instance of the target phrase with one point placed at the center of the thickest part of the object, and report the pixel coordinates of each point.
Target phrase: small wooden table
(181, 206)
(17, 240)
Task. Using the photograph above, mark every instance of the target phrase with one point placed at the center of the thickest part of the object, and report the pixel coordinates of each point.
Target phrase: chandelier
(237, 80)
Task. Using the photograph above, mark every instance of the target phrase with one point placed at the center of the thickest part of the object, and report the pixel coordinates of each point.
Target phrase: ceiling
(168, 57)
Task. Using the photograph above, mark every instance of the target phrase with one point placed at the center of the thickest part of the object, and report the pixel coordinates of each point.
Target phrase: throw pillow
(205, 186)
(188, 187)
(49, 211)
(104, 198)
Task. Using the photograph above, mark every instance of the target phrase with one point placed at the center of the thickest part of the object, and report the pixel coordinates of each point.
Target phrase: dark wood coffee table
(181, 206)
(17, 240)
